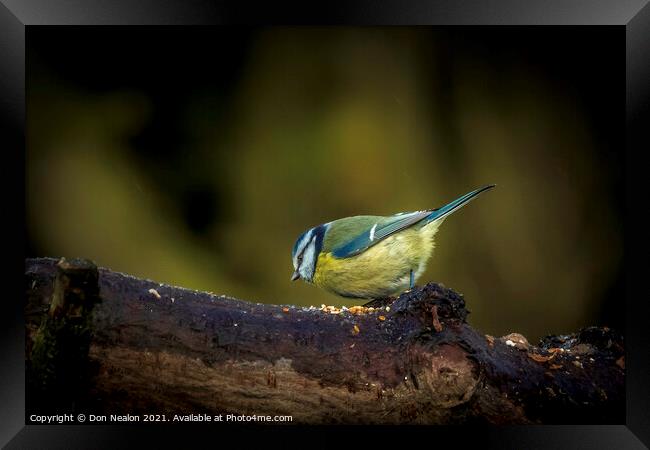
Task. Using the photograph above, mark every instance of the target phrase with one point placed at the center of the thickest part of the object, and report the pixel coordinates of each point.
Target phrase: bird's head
(305, 253)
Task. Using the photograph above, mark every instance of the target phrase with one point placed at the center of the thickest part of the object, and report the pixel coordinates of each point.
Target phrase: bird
(371, 257)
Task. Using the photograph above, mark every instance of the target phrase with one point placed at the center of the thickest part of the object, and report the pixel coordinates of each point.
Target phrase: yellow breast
(382, 270)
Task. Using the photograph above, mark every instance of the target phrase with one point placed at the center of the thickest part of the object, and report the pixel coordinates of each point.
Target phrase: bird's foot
(380, 302)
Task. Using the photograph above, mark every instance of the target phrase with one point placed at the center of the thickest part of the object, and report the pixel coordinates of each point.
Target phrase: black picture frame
(17, 15)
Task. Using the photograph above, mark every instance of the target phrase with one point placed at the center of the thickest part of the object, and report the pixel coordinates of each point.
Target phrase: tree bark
(110, 343)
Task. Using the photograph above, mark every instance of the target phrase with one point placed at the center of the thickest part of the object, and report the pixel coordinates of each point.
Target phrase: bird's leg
(379, 302)
(412, 282)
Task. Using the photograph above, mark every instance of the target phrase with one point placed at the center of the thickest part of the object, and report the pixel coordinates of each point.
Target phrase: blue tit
(371, 256)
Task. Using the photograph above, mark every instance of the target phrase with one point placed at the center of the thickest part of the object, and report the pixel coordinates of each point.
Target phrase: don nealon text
(116, 418)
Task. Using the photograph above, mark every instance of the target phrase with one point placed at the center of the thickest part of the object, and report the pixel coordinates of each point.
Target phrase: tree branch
(154, 348)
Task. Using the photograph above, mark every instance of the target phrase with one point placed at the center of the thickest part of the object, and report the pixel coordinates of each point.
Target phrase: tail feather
(441, 213)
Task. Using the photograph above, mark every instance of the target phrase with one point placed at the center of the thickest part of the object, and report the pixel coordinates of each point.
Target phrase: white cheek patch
(307, 267)
(301, 245)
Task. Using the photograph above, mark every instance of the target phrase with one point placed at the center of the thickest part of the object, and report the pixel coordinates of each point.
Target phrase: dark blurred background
(196, 156)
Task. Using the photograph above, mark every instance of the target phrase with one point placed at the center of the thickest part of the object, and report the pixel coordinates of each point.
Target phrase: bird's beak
(295, 275)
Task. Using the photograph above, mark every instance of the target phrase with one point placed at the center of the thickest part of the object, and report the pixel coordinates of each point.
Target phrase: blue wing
(378, 232)
(399, 222)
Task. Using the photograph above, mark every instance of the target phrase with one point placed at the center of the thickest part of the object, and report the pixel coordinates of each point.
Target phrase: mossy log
(101, 342)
